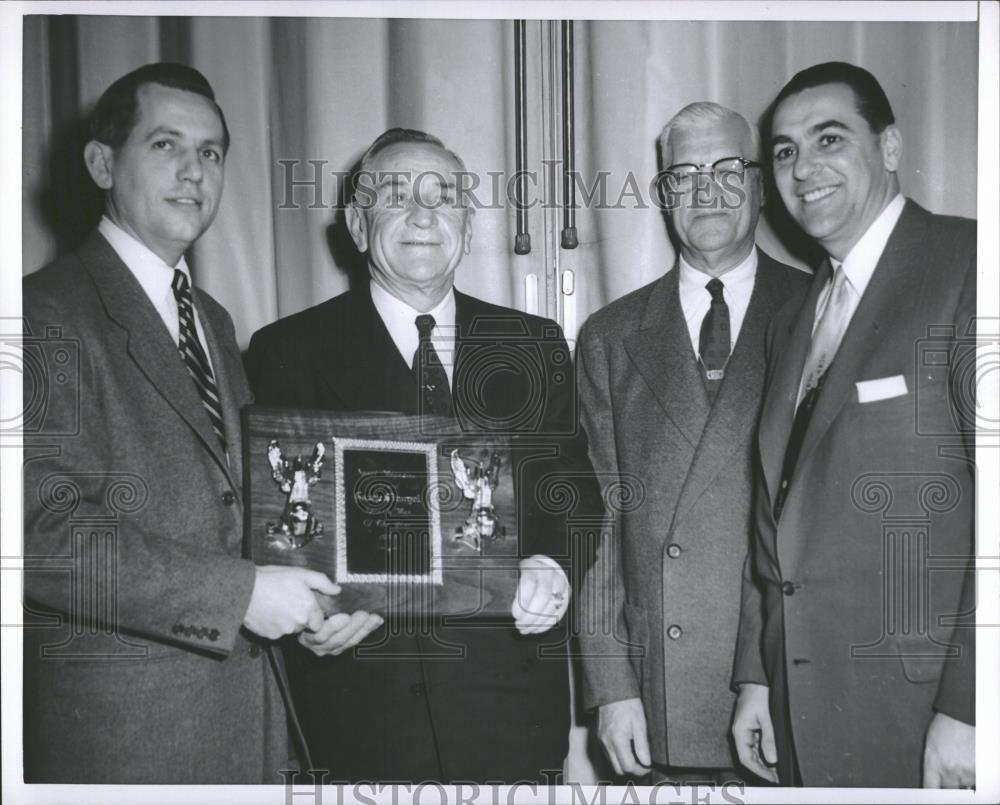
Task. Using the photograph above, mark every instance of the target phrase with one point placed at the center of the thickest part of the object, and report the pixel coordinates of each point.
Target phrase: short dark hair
(869, 97)
(117, 110)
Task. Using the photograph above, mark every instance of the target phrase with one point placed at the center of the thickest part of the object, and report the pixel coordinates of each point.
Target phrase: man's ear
(891, 142)
(357, 226)
(467, 231)
(99, 159)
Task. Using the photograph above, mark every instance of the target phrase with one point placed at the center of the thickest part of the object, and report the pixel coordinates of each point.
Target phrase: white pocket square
(884, 388)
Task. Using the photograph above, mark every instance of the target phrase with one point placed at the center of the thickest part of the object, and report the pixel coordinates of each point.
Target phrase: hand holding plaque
(406, 513)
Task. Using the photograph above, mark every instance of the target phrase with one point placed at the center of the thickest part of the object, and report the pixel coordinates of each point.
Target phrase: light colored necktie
(831, 325)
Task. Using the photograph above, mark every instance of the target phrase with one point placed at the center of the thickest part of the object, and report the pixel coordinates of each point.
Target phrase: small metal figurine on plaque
(297, 525)
(483, 524)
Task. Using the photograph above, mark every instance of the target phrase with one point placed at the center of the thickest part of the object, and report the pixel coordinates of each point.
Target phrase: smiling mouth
(817, 195)
(185, 202)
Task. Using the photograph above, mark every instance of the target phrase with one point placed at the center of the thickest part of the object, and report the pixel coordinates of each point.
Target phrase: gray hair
(701, 115)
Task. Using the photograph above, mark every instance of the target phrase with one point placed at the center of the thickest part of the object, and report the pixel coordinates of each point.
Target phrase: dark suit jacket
(869, 567)
(432, 702)
(136, 668)
(670, 572)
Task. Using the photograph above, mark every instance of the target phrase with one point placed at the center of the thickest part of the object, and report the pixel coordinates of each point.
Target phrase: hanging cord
(568, 239)
(522, 240)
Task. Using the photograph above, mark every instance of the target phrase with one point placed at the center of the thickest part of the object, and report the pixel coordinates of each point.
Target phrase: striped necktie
(194, 355)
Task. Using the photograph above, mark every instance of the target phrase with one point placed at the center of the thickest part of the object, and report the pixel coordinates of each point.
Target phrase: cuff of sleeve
(960, 706)
(548, 560)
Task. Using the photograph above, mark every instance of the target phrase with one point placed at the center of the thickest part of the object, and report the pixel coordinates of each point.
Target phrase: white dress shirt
(401, 321)
(859, 264)
(155, 277)
(696, 300)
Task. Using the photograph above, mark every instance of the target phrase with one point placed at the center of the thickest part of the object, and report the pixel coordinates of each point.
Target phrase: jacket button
(228, 498)
(417, 688)
(788, 588)
(255, 650)
(673, 550)
(674, 632)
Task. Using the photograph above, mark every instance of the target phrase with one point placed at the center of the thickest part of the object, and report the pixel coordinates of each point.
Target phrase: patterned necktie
(435, 395)
(715, 341)
(194, 355)
(831, 323)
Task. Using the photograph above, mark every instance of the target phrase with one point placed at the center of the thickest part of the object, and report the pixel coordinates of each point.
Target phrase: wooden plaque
(390, 510)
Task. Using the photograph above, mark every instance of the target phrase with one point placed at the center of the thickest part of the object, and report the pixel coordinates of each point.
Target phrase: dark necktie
(194, 355)
(435, 395)
(714, 342)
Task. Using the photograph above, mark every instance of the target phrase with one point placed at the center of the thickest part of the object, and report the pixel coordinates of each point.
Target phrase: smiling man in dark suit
(408, 341)
(148, 664)
(860, 668)
(671, 378)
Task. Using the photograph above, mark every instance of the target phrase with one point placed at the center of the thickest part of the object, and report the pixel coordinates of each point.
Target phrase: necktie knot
(425, 324)
(715, 287)
(181, 286)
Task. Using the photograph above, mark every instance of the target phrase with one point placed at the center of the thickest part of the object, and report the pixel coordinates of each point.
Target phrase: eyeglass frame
(709, 169)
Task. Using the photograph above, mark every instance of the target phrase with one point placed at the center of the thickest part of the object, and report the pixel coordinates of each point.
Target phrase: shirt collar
(154, 275)
(860, 262)
(395, 312)
(743, 272)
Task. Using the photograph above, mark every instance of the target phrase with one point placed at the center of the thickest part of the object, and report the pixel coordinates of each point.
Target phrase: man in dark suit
(479, 701)
(671, 378)
(859, 669)
(143, 658)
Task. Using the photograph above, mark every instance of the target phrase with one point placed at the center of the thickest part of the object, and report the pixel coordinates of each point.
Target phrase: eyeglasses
(681, 178)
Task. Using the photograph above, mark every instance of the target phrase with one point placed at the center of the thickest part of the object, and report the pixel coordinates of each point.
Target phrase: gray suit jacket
(661, 605)
(136, 667)
(867, 576)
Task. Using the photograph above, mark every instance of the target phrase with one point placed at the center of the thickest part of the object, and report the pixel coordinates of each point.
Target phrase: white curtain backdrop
(321, 89)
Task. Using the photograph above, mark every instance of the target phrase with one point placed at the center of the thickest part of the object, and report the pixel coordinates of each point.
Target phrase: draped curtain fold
(304, 97)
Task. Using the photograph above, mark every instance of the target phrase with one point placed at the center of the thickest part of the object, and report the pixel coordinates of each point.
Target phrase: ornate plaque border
(343, 576)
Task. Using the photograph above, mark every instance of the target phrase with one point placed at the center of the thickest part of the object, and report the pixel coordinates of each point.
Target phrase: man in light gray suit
(148, 663)
(671, 377)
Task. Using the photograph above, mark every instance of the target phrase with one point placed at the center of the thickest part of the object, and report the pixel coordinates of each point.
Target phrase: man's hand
(621, 726)
(542, 595)
(283, 603)
(340, 632)
(949, 753)
(753, 731)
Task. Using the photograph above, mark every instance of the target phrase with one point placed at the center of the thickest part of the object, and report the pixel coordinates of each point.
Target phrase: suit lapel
(734, 412)
(790, 347)
(223, 368)
(661, 351)
(358, 363)
(148, 342)
(895, 277)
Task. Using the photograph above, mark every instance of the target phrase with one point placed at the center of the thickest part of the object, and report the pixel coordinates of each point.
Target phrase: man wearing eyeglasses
(671, 378)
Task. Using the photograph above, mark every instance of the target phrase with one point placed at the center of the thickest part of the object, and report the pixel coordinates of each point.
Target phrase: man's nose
(420, 214)
(190, 167)
(805, 164)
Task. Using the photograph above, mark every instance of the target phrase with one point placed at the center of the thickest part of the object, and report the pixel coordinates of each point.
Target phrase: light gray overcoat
(661, 605)
(136, 669)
